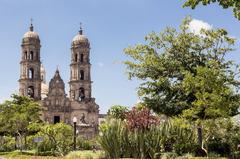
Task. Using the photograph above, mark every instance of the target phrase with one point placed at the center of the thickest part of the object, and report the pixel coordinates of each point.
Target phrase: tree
(187, 75)
(117, 112)
(17, 114)
(168, 60)
(235, 4)
(57, 138)
(214, 96)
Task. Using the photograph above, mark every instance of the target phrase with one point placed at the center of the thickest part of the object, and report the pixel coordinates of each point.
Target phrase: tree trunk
(199, 132)
(201, 151)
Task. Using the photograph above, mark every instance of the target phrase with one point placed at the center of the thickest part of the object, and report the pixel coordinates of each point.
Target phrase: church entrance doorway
(56, 119)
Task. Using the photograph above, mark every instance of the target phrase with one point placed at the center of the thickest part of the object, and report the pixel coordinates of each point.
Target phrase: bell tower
(30, 65)
(80, 77)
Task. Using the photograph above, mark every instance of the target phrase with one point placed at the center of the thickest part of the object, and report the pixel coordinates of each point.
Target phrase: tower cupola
(31, 34)
(80, 38)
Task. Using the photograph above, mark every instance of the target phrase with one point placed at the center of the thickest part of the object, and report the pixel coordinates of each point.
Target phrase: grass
(85, 155)
(18, 155)
(71, 155)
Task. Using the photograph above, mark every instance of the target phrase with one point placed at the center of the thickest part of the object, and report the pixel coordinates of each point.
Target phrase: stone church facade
(56, 105)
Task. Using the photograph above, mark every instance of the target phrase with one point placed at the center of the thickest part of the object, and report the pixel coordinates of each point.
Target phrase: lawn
(71, 155)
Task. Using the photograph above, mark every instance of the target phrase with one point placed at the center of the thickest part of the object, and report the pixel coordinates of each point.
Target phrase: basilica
(56, 105)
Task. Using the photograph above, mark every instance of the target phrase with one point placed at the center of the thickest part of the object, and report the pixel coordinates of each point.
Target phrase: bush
(219, 147)
(117, 112)
(85, 155)
(85, 144)
(7, 143)
(143, 136)
(57, 138)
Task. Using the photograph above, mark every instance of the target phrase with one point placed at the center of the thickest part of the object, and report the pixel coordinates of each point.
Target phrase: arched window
(25, 55)
(81, 75)
(81, 57)
(76, 58)
(31, 73)
(81, 94)
(30, 91)
(31, 55)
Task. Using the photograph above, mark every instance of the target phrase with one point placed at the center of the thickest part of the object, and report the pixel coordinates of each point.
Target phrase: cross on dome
(31, 26)
(81, 30)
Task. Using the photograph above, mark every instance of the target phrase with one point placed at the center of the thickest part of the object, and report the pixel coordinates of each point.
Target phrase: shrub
(217, 146)
(117, 112)
(111, 137)
(142, 136)
(85, 155)
(57, 138)
(7, 143)
(85, 144)
(141, 120)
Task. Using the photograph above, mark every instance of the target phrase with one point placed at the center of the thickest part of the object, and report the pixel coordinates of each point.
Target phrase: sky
(110, 25)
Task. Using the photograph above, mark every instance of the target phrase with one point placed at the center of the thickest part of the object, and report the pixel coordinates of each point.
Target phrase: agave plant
(111, 138)
(141, 136)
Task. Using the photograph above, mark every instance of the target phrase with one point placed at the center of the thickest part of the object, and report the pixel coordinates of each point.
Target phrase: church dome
(80, 38)
(31, 34)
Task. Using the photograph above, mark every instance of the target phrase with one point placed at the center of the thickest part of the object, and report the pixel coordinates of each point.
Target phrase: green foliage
(214, 97)
(85, 155)
(142, 144)
(85, 144)
(234, 4)
(221, 136)
(111, 137)
(182, 136)
(21, 155)
(217, 146)
(57, 138)
(16, 115)
(117, 112)
(7, 143)
(179, 68)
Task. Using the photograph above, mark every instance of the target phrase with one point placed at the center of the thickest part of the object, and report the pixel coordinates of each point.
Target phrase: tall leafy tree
(17, 114)
(182, 72)
(234, 4)
(187, 75)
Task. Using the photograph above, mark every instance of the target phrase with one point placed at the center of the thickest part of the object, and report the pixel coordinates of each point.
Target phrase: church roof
(80, 38)
(31, 34)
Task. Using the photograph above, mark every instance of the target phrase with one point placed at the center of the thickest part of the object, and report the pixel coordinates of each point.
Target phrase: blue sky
(110, 25)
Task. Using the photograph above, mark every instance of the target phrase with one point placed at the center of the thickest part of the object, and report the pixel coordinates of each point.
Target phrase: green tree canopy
(117, 112)
(186, 74)
(17, 114)
(57, 138)
(234, 4)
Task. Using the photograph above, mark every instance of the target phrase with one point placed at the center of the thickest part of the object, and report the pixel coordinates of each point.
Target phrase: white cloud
(100, 64)
(117, 62)
(196, 25)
